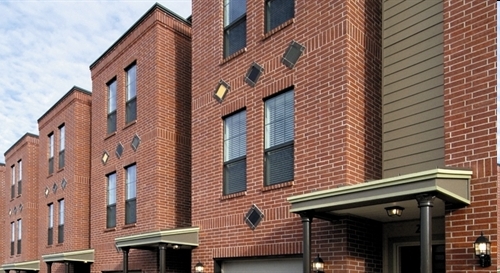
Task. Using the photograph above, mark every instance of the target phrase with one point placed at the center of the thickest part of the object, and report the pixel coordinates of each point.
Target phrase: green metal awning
(452, 186)
(28, 266)
(84, 256)
(181, 237)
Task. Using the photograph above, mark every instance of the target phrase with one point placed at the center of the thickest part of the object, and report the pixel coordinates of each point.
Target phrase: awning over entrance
(173, 238)
(423, 190)
(181, 237)
(84, 256)
(450, 185)
(27, 266)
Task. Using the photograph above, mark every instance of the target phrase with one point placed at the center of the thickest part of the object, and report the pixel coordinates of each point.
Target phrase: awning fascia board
(181, 236)
(451, 185)
(28, 266)
(84, 256)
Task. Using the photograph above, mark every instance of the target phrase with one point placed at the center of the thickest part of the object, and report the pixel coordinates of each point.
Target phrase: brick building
(140, 199)
(20, 203)
(312, 120)
(63, 194)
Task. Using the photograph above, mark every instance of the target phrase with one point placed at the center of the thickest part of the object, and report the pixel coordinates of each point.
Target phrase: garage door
(263, 266)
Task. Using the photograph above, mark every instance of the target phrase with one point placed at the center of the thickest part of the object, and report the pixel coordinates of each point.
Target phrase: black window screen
(278, 12)
(235, 153)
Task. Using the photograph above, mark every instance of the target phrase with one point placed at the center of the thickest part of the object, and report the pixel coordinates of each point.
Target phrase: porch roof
(27, 266)
(452, 186)
(181, 237)
(84, 256)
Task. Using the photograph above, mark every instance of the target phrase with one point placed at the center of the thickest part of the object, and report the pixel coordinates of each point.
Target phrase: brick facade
(159, 45)
(337, 123)
(24, 205)
(70, 179)
(3, 220)
(470, 125)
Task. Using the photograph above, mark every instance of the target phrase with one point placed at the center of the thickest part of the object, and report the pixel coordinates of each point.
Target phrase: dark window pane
(61, 159)
(50, 236)
(18, 246)
(279, 165)
(130, 216)
(11, 248)
(131, 110)
(12, 191)
(235, 37)
(233, 9)
(278, 12)
(51, 165)
(111, 216)
(111, 122)
(235, 176)
(60, 234)
(19, 187)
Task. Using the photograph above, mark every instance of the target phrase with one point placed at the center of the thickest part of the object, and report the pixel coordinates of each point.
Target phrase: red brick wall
(25, 149)
(160, 46)
(74, 111)
(470, 126)
(337, 119)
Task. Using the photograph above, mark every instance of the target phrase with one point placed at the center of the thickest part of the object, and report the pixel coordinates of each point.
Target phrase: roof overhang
(27, 266)
(452, 186)
(181, 237)
(84, 256)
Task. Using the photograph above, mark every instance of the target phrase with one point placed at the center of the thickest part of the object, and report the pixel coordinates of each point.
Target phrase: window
(235, 153)
(111, 201)
(279, 136)
(278, 12)
(13, 181)
(19, 177)
(235, 26)
(62, 145)
(130, 202)
(50, 237)
(60, 227)
(12, 237)
(51, 153)
(19, 235)
(111, 107)
(131, 104)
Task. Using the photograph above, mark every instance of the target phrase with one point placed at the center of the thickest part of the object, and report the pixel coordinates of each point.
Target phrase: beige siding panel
(415, 98)
(411, 129)
(407, 169)
(413, 110)
(392, 7)
(410, 137)
(415, 149)
(413, 120)
(412, 86)
(406, 59)
(413, 79)
(410, 9)
(417, 92)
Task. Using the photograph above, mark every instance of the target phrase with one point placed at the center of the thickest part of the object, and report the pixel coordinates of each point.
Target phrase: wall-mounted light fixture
(482, 248)
(318, 265)
(394, 211)
(198, 268)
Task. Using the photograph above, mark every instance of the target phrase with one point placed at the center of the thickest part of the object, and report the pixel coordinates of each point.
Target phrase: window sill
(59, 244)
(130, 124)
(19, 195)
(278, 29)
(278, 186)
(129, 226)
(110, 229)
(233, 56)
(60, 170)
(48, 246)
(233, 195)
(110, 135)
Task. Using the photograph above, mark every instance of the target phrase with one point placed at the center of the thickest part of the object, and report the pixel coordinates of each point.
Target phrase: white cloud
(46, 47)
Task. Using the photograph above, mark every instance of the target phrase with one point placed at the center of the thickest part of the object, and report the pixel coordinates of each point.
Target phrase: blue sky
(47, 46)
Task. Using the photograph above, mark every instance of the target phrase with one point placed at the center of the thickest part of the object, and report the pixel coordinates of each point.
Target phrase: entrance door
(409, 259)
